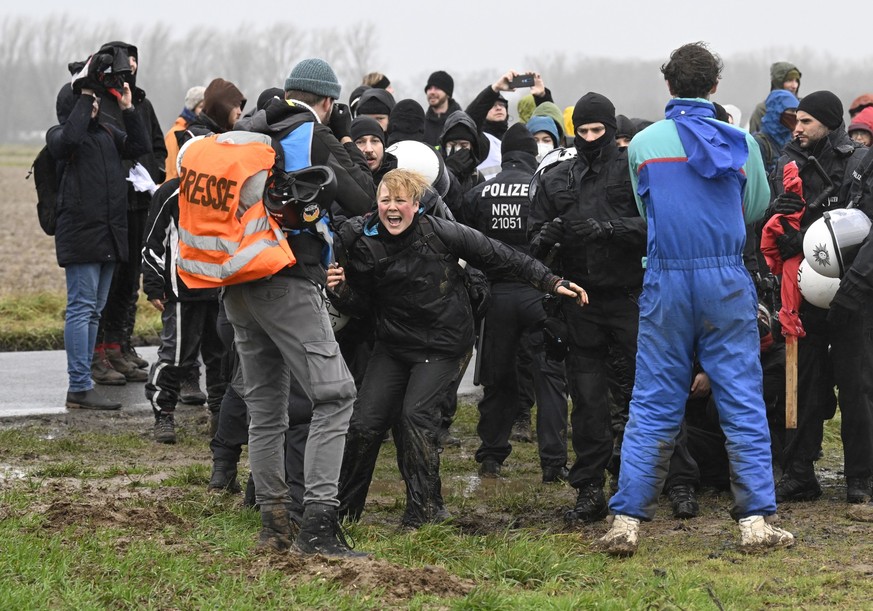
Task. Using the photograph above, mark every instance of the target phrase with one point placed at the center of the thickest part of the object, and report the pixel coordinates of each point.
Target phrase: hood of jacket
(460, 118)
(713, 148)
(778, 102)
(778, 72)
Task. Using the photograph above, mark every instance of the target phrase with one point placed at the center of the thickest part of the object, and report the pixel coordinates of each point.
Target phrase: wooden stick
(790, 382)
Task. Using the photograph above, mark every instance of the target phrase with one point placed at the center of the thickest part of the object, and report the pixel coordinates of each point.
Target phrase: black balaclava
(594, 108)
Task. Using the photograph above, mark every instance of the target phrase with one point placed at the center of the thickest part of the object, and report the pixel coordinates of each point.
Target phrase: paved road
(35, 383)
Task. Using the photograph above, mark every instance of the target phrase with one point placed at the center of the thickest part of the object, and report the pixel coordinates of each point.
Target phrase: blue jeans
(87, 289)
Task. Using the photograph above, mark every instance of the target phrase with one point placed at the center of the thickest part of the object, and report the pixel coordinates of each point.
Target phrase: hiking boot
(165, 428)
(622, 538)
(223, 477)
(489, 468)
(446, 439)
(790, 488)
(521, 432)
(590, 504)
(90, 399)
(131, 372)
(553, 475)
(320, 533)
(103, 373)
(857, 490)
(277, 531)
(132, 356)
(756, 534)
(189, 390)
(683, 501)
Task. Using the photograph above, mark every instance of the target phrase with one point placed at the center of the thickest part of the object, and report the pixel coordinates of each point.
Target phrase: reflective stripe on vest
(220, 241)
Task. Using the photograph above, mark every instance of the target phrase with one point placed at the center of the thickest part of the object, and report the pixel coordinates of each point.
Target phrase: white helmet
(831, 242)
(816, 289)
(337, 319)
(418, 156)
(556, 155)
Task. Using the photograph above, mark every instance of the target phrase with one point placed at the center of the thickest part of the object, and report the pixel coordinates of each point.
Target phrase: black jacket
(499, 208)
(573, 190)
(433, 123)
(479, 149)
(415, 286)
(92, 195)
(160, 279)
(838, 155)
(856, 287)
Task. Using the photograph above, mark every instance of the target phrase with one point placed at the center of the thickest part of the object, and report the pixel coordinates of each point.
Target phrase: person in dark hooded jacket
(223, 104)
(462, 146)
(403, 266)
(114, 347)
(406, 122)
(583, 218)
(91, 236)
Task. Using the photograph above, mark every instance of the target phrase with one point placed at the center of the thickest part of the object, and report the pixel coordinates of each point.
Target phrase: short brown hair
(311, 99)
(406, 181)
(692, 71)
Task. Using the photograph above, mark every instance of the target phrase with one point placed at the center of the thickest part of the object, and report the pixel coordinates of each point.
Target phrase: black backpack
(46, 171)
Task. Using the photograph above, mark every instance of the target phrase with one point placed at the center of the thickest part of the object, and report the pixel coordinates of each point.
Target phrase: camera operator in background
(92, 232)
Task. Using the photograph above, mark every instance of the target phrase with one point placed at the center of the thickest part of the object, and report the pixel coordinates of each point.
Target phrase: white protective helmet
(418, 156)
(831, 242)
(556, 155)
(816, 289)
(337, 319)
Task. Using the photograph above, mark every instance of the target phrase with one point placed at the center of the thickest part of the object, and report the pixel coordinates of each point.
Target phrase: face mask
(542, 149)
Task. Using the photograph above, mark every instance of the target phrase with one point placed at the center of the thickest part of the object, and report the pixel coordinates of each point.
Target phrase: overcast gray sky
(451, 34)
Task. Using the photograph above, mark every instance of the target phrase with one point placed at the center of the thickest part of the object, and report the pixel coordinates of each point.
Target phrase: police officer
(499, 209)
(584, 209)
(832, 343)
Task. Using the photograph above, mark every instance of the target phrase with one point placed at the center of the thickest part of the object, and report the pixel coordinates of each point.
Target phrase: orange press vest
(219, 244)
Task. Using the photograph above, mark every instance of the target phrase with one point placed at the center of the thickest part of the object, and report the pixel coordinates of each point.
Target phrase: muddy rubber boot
(223, 477)
(131, 372)
(103, 373)
(320, 533)
(276, 530)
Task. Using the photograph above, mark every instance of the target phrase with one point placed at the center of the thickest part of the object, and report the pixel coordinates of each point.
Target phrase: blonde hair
(373, 79)
(406, 181)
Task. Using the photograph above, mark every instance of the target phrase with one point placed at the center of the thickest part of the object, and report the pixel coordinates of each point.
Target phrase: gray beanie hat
(194, 97)
(313, 76)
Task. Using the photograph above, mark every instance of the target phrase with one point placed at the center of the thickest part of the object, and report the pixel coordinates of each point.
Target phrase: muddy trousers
(404, 395)
(282, 328)
(517, 310)
(189, 329)
(829, 355)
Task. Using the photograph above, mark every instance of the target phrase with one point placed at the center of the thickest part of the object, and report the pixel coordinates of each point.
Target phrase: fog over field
(616, 52)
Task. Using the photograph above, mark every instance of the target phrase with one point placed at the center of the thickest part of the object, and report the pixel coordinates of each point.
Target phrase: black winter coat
(575, 190)
(433, 123)
(415, 286)
(92, 195)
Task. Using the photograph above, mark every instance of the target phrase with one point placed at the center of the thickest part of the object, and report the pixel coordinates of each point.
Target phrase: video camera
(104, 71)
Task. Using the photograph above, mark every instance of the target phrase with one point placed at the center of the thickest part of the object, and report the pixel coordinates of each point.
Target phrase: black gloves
(590, 230)
(340, 121)
(789, 243)
(461, 163)
(552, 233)
(788, 203)
(479, 292)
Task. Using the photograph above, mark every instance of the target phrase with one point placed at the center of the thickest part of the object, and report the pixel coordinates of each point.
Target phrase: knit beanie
(367, 126)
(269, 94)
(459, 131)
(545, 124)
(551, 110)
(863, 121)
(518, 138)
(594, 108)
(625, 127)
(441, 80)
(218, 100)
(406, 122)
(194, 96)
(825, 107)
(314, 76)
(860, 103)
(357, 92)
(375, 102)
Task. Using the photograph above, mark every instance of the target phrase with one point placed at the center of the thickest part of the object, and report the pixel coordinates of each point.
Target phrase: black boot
(320, 533)
(798, 485)
(224, 477)
(277, 531)
(683, 501)
(249, 497)
(858, 490)
(590, 504)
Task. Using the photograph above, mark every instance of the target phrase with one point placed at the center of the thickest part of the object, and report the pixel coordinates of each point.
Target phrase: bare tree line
(34, 55)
